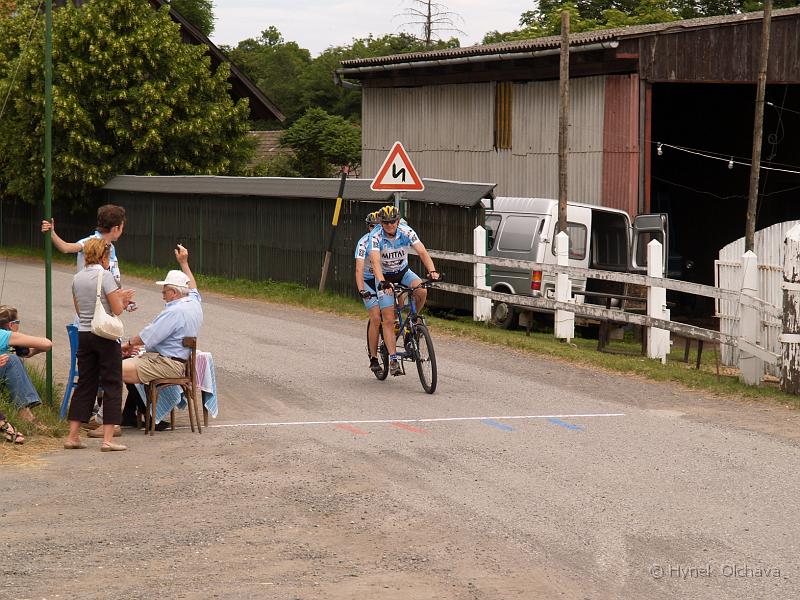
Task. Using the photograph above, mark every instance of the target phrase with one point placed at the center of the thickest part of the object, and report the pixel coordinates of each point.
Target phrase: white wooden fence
(769, 248)
(657, 319)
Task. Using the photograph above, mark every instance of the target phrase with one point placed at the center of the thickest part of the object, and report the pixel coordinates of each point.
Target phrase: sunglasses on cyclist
(392, 222)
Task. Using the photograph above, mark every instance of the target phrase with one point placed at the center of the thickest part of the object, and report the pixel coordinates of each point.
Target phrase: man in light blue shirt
(165, 356)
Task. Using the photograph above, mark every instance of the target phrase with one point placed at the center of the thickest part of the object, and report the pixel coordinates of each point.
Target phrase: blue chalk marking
(497, 424)
(566, 425)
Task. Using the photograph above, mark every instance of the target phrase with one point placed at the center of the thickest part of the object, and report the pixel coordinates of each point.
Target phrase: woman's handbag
(103, 324)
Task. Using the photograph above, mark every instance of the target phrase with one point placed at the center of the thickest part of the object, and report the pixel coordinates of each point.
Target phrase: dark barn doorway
(705, 198)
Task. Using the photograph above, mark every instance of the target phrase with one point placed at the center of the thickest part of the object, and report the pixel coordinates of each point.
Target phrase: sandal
(11, 434)
(27, 415)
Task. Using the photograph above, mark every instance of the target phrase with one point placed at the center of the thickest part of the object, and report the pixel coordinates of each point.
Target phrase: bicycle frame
(408, 309)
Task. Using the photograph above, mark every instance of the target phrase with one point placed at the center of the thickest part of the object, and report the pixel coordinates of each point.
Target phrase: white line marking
(432, 420)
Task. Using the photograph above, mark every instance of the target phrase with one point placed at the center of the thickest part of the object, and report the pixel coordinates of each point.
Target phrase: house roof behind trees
(436, 191)
(575, 39)
(261, 107)
(242, 86)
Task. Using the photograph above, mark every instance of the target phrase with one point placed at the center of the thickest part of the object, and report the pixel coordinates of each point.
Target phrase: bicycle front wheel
(426, 358)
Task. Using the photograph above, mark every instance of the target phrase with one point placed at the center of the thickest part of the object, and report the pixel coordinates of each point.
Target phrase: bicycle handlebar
(403, 288)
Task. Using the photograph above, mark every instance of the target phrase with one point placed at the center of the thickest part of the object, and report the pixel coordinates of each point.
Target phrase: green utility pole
(48, 183)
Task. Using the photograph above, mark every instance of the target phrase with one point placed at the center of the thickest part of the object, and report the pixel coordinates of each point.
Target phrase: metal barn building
(490, 113)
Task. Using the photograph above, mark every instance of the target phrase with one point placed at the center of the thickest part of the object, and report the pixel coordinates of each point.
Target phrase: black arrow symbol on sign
(399, 173)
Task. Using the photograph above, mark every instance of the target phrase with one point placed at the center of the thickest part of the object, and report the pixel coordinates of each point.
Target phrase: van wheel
(504, 315)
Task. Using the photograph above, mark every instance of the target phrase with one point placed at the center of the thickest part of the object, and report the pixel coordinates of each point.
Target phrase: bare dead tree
(433, 18)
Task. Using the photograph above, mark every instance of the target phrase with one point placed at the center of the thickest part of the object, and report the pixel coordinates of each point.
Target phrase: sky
(319, 24)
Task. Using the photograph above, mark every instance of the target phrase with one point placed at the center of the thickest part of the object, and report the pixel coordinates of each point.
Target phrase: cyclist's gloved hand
(384, 285)
(434, 275)
(364, 294)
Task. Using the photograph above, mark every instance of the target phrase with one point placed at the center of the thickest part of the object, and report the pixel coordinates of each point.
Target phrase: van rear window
(517, 233)
(492, 224)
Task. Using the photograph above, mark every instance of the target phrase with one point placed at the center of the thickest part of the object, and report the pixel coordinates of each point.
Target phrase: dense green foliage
(587, 15)
(129, 97)
(295, 81)
(321, 143)
(199, 13)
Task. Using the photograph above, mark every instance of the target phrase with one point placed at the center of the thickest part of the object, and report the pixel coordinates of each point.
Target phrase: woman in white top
(99, 359)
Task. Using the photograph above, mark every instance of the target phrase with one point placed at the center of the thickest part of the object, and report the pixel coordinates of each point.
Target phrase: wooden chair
(188, 384)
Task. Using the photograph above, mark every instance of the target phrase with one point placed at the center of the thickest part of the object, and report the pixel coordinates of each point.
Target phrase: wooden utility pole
(758, 129)
(563, 122)
(332, 235)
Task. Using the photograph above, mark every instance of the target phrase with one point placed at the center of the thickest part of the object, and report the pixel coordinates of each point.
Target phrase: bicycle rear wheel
(383, 354)
(425, 359)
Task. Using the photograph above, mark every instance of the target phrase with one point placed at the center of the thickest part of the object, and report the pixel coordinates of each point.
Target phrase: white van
(599, 238)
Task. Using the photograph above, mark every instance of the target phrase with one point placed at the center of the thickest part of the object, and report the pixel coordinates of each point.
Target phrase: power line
(730, 161)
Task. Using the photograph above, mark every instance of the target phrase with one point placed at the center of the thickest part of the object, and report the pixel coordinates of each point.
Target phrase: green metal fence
(250, 237)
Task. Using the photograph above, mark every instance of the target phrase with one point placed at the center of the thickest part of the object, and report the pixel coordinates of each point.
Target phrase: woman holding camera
(13, 372)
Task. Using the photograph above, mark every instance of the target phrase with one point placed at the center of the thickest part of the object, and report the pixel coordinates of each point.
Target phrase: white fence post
(790, 340)
(657, 339)
(751, 368)
(481, 307)
(564, 320)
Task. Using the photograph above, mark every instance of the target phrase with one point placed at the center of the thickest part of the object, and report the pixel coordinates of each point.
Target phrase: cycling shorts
(406, 277)
(372, 301)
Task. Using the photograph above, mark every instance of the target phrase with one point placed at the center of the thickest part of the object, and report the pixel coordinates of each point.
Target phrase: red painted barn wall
(621, 143)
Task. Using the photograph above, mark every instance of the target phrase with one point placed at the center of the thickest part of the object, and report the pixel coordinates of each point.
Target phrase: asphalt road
(520, 478)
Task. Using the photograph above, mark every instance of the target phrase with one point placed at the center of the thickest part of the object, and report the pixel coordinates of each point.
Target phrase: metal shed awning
(539, 46)
(437, 191)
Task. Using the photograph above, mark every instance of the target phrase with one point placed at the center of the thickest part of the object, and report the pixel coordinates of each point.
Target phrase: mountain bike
(413, 338)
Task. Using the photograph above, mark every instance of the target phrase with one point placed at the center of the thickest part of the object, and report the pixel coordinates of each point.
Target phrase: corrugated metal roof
(577, 39)
(436, 191)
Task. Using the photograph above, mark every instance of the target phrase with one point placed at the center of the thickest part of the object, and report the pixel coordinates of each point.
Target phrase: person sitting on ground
(165, 355)
(12, 370)
(9, 432)
(99, 358)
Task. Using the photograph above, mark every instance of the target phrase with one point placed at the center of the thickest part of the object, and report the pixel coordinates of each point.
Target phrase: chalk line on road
(420, 420)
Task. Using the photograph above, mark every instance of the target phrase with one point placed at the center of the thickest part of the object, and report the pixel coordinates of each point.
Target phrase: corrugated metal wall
(248, 237)
(621, 143)
(448, 131)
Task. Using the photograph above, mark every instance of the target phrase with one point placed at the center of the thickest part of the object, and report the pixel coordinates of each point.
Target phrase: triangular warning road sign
(397, 174)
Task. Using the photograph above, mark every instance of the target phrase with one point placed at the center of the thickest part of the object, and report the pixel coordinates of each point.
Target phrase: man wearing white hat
(162, 339)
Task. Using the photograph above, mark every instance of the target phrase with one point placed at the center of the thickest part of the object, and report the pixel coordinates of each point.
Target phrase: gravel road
(520, 478)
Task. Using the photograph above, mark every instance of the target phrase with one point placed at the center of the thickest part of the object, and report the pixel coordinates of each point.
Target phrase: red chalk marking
(352, 429)
(408, 427)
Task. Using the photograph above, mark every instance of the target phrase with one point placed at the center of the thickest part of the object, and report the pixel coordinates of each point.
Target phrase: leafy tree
(128, 97)
(587, 15)
(199, 13)
(320, 142)
(296, 82)
(319, 88)
(277, 67)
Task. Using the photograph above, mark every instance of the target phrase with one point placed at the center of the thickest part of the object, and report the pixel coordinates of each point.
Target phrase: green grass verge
(581, 351)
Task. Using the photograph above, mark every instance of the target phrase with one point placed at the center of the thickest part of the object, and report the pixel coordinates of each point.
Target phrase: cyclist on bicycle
(365, 283)
(388, 248)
